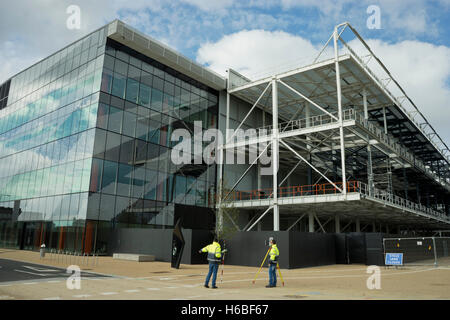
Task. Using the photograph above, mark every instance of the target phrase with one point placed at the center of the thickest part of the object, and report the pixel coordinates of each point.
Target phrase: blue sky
(200, 22)
(250, 36)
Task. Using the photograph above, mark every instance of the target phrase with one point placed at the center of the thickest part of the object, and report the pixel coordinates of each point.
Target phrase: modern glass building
(85, 142)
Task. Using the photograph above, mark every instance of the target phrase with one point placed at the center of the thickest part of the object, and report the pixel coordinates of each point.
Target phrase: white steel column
(308, 139)
(369, 149)
(219, 222)
(227, 119)
(276, 213)
(258, 168)
(366, 111)
(339, 100)
(337, 221)
(311, 222)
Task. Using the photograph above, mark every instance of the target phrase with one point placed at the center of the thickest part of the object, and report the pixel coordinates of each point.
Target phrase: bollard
(42, 251)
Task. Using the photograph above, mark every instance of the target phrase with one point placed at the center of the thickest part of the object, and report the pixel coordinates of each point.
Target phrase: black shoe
(206, 286)
(269, 286)
(214, 287)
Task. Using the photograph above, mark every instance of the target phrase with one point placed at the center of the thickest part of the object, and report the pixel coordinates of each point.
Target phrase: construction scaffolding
(367, 156)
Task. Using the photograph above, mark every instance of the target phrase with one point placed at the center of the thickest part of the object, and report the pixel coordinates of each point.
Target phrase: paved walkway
(157, 280)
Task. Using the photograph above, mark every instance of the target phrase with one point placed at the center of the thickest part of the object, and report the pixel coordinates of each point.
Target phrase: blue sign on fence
(394, 259)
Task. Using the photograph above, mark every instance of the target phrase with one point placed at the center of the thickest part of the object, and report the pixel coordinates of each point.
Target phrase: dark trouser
(273, 275)
(213, 267)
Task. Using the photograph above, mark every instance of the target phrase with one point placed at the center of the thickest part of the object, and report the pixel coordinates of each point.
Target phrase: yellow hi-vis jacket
(214, 252)
(273, 254)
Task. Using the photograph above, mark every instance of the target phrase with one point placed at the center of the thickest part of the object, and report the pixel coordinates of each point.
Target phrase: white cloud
(328, 7)
(421, 68)
(210, 5)
(256, 52)
(33, 30)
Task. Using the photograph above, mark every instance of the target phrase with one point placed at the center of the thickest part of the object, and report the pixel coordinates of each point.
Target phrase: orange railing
(293, 191)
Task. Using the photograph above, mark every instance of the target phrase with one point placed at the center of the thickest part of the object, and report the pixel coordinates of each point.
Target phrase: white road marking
(54, 281)
(35, 274)
(40, 269)
(153, 289)
(171, 288)
(6, 297)
(335, 276)
(108, 293)
(191, 285)
(82, 296)
(133, 291)
(163, 279)
(52, 298)
(27, 283)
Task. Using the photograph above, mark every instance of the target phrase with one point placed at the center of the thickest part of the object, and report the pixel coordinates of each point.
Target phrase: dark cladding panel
(197, 218)
(4, 92)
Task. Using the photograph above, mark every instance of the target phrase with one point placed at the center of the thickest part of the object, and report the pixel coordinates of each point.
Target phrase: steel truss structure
(367, 159)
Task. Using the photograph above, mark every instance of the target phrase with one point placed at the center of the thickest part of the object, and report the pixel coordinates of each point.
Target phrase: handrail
(348, 114)
(328, 188)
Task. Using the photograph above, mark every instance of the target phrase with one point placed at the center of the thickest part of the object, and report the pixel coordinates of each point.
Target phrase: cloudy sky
(254, 37)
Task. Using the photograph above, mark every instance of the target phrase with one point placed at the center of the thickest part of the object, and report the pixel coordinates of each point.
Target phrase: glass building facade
(85, 144)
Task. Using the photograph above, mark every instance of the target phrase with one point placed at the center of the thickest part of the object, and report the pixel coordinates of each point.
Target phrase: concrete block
(134, 257)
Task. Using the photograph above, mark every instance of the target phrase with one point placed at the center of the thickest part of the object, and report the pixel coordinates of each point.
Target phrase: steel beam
(275, 154)
(341, 118)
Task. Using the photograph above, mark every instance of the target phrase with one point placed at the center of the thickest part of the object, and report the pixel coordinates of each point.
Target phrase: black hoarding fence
(248, 248)
(420, 251)
(297, 249)
(357, 247)
(341, 248)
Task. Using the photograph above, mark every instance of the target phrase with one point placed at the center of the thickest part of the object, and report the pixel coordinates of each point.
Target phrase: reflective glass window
(124, 179)
(107, 207)
(144, 95)
(138, 182)
(121, 67)
(119, 84)
(126, 150)
(132, 90)
(107, 81)
(112, 146)
(109, 177)
(129, 123)
(115, 120)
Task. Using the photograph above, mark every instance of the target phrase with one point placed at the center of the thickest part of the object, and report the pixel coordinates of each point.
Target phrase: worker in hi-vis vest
(273, 261)
(214, 257)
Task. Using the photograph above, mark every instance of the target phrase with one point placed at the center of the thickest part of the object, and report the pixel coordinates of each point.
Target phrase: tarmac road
(11, 271)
